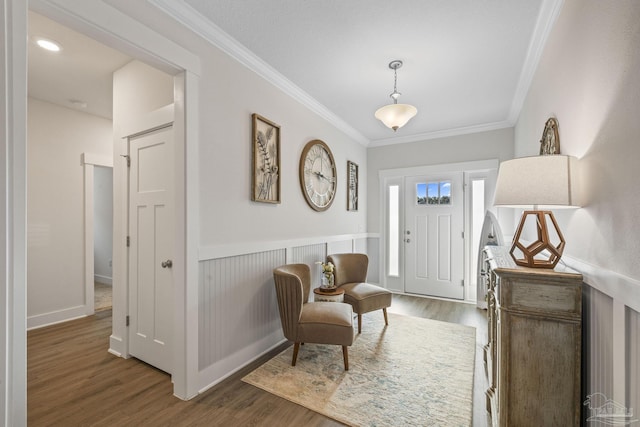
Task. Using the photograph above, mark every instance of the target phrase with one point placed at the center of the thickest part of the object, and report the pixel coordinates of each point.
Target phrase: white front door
(151, 245)
(433, 235)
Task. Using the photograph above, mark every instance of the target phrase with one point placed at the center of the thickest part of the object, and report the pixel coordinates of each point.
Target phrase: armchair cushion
(326, 323)
(365, 297)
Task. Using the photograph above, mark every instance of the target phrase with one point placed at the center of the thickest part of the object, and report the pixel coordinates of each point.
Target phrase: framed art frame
(352, 186)
(265, 185)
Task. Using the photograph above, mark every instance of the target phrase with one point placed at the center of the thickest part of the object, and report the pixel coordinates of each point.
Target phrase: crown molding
(549, 12)
(192, 19)
(445, 133)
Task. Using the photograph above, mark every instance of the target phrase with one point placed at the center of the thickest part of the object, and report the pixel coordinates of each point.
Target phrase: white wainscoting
(633, 361)
(611, 328)
(237, 310)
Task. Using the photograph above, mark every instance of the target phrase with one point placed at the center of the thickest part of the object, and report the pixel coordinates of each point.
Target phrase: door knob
(167, 264)
(408, 240)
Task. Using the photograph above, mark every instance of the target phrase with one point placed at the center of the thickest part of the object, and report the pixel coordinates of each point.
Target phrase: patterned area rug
(414, 372)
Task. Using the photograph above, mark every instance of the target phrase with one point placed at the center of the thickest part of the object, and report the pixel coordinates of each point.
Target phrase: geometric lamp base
(546, 251)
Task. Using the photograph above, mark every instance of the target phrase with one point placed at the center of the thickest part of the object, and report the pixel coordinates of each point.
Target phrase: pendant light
(395, 115)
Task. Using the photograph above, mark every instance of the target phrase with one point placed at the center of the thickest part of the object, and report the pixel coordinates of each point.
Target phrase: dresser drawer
(546, 298)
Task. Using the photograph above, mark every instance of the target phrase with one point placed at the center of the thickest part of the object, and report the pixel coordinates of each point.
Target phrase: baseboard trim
(116, 346)
(55, 317)
(105, 280)
(221, 370)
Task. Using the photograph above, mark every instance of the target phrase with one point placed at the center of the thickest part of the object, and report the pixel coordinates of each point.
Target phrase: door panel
(434, 254)
(151, 244)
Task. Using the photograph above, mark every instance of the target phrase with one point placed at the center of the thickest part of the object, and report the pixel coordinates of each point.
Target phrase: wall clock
(318, 178)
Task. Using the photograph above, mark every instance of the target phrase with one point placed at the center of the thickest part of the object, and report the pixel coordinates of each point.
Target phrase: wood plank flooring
(73, 381)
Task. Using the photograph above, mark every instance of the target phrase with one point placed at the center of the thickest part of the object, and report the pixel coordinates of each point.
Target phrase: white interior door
(151, 245)
(434, 241)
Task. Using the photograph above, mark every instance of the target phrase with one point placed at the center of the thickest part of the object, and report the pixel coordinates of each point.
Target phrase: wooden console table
(534, 347)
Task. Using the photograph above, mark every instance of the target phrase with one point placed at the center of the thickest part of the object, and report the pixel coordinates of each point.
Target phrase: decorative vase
(327, 281)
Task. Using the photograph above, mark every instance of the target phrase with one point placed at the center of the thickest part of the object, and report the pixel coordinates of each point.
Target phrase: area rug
(414, 372)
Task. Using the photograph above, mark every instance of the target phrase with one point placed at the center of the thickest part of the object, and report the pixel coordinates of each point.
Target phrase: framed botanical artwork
(265, 186)
(352, 186)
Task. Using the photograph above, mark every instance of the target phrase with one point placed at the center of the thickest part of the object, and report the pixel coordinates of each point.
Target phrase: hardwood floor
(73, 381)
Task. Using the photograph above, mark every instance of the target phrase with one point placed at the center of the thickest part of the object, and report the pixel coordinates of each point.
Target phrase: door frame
(397, 177)
(89, 161)
(108, 25)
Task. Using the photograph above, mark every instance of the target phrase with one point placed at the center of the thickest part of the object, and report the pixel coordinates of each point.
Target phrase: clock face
(318, 175)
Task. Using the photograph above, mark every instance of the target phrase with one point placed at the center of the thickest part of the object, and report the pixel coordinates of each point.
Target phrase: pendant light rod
(394, 65)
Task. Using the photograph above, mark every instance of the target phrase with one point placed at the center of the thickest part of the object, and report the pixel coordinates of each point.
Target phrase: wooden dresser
(533, 352)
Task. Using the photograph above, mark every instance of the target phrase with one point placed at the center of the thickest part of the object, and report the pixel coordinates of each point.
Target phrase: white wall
(229, 94)
(57, 137)
(497, 144)
(588, 79)
(102, 223)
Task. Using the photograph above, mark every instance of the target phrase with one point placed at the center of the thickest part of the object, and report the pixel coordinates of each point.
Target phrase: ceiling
(467, 64)
(80, 76)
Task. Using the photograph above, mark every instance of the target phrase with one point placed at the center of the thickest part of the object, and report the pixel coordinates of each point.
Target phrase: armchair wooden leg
(296, 347)
(359, 322)
(386, 320)
(345, 356)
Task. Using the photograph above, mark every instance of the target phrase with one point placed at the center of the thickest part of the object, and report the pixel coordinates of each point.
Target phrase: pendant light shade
(395, 115)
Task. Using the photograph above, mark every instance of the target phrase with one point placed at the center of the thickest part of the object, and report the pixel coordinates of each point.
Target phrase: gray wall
(497, 144)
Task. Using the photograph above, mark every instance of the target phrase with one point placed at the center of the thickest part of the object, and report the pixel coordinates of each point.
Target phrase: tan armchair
(310, 322)
(351, 275)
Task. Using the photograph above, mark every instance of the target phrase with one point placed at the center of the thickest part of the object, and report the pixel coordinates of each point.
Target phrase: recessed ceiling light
(48, 45)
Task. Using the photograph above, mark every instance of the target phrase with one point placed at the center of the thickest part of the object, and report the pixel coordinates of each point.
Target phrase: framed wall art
(266, 160)
(352, 186)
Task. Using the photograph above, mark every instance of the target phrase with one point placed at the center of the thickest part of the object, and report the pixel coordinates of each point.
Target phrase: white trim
(55, 317)
(445, 133)
(444, 167)
(615, 285)
(13, 193)
(89, 243)
(223, 251)
(210, 376)
(89, 161)
(186, 200)
(549, 12)
(192, 19)
(97, 160)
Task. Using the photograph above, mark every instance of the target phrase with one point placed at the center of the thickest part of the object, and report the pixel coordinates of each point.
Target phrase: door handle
(167, 264)
(408, 240)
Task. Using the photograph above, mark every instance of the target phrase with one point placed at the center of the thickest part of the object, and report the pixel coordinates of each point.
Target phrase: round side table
(336, 295)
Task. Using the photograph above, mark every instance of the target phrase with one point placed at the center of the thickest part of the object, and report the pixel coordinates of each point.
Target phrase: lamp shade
(395, 116)
(544, 182)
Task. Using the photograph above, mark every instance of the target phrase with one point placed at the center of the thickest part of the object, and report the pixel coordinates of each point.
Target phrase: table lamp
(538, 184)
